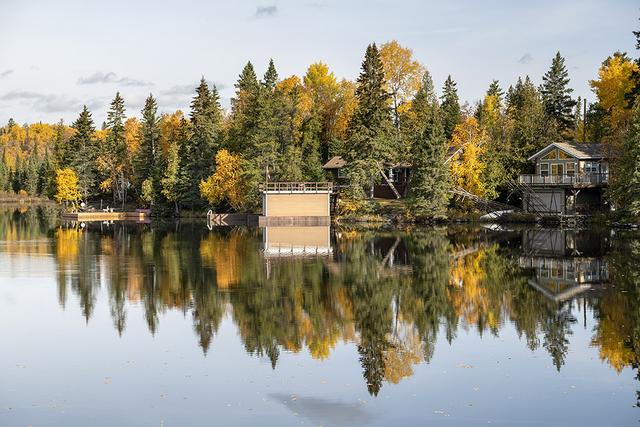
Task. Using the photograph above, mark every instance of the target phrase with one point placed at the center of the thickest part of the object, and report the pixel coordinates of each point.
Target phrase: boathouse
(569, 179)
(296, 203)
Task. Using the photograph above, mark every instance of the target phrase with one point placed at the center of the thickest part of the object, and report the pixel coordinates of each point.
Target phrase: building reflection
(565, 264)
(297, 241)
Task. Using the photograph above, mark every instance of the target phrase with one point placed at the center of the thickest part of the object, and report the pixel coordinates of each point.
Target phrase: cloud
(110, 77)
(5, 73)
(48, 103)
(18, 95)
(323, 411)
(525, 59)
(263, 11)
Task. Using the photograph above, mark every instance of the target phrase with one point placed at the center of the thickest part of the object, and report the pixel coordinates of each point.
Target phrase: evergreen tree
(371, 128)
(148, 161)
(626, 180)
(81, 152)
(17, 177)
(450, 107)
(495, 90)
(635, 76)
(247, 89)
(206, 120)
(59, 146)
(525, 111)
(5, 174)
(265, 134)
(30, 180)
(46, 176)
(113, 156)
(556, 97)
(429, 186)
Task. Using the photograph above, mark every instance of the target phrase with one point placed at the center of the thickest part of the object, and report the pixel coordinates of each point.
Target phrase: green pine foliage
(430, 183)
(626, 181)
(114, 151)
(450, 106)
(556, 97)
(371, 128)
(81, 153)
(148, 162)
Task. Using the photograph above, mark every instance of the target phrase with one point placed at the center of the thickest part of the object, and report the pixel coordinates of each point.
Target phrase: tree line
(286, 129)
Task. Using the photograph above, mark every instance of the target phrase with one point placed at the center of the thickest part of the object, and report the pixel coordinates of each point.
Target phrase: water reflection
(391, 294)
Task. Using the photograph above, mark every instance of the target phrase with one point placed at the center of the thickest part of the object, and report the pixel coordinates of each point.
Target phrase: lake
(174, 324)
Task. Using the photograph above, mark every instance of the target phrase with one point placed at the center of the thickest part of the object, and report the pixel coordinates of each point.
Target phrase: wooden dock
(140, 215)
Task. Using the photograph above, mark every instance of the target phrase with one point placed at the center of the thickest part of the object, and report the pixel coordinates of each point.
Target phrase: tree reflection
(391, 294)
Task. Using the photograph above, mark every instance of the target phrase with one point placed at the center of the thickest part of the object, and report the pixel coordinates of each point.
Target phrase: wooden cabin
(569, 179)
(398, 174)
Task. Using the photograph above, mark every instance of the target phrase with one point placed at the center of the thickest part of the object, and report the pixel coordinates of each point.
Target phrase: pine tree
(115, 149)
(635, 76)
(59, 155)
(46, 176)
(206, 120)
(265, 131)
(556, 97)
(525, 111)
(247, 89)
(450, 107)
(5, 174)
(371, 128)
(81, 152)
(429, 186)
(495, 90)
(17, 177)
(30, 180)
(270, 78)
(626, 181)
(148, 160)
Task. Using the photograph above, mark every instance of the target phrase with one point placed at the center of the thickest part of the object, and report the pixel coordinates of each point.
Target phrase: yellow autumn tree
(403, 74)
(67, 189)
(613, 83)
(467, 165)
(226, 183)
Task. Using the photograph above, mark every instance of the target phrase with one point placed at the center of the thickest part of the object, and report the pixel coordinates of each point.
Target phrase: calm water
(177, 325)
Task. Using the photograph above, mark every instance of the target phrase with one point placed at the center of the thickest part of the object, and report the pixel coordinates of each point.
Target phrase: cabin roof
(336, 162)
(579, 150)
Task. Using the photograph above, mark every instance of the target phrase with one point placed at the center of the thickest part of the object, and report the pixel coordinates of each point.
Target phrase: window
(557, 169)
(341, 173)
(591, 167)
(571, 169)
(564, 156)
(553, 155)
(544, 169)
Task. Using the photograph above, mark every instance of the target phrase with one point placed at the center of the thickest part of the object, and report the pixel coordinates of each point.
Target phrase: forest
(285, 129)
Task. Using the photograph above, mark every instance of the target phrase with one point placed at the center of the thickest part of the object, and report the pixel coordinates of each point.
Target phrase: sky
(56, 56)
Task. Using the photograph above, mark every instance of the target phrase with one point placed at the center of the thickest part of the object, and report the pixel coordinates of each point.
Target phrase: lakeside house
(396, 173)
(570, 178)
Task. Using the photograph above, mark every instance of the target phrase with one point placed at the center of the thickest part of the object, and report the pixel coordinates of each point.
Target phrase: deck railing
(297, 187)
(577, 179)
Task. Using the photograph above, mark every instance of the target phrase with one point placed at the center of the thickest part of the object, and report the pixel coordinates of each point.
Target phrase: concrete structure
(569, 179)
(296, 203)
